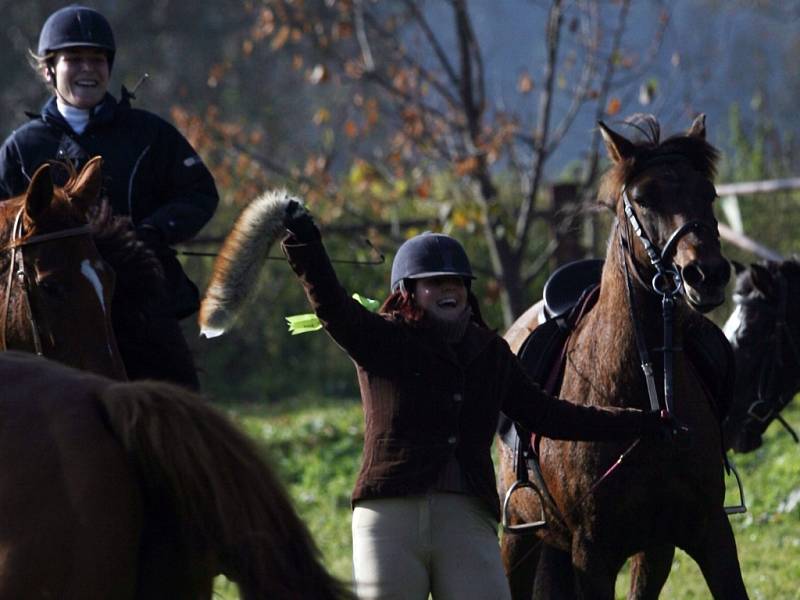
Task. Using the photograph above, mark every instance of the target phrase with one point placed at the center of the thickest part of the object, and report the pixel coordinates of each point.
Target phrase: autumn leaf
(322, 116)
(613, 106)
(280, 39)
(466, 166)
(318, 74)
(350, 128)
(525, 83)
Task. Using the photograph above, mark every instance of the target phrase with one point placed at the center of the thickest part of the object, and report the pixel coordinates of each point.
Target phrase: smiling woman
(150, 174)
(80, 76)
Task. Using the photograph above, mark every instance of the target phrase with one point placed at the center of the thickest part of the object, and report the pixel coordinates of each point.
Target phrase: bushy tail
(240, 260)
(193, 459)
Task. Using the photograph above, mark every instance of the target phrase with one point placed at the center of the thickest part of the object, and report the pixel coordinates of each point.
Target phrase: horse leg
(715, 554)
(520, 554)
(649, 572)
(555, 576)
(595, 569)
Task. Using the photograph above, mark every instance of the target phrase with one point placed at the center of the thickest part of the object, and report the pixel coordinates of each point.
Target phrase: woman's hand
(300, 223)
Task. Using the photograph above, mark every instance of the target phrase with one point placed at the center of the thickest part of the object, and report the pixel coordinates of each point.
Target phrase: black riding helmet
(77, 26)
(430, 255)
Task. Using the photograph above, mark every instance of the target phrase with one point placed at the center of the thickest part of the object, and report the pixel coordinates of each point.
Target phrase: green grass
(316, 446)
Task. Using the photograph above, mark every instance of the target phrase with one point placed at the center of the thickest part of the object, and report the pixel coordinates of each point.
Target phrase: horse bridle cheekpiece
(667, 283)
(770, 399)
(16, 270)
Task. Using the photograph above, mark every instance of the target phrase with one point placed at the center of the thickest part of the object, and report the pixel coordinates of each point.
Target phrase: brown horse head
(764, 332)
(56, 288)
(667, 187)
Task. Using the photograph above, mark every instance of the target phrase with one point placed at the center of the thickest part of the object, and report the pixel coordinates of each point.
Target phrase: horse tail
(193, 461)
(240, 259)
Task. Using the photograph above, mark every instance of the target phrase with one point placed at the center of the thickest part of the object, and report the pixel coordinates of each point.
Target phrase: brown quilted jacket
(424, 400)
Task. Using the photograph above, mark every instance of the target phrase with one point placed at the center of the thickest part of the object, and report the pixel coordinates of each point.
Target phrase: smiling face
(443, 297)
(81, 76)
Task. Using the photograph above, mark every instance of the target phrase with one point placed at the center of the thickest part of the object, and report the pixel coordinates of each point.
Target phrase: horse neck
(613, 313)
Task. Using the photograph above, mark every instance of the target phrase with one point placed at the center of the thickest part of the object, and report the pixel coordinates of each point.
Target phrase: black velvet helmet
(77, 26)
(430, 255)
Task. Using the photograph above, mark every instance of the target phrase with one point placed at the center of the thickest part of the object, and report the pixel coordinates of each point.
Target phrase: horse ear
(698, 128)
(88, 184)
(761, 278)
(40, 193)
(618, 147)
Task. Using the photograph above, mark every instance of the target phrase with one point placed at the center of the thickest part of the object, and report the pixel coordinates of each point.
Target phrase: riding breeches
(441, 544)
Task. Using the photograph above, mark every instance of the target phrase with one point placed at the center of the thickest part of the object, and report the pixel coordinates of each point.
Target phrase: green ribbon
(309, 322)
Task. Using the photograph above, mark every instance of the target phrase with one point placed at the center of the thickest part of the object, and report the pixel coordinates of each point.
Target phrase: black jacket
(150, 172)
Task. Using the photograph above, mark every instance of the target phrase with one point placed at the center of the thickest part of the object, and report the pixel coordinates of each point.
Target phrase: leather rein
(770, 399)
(16, 270)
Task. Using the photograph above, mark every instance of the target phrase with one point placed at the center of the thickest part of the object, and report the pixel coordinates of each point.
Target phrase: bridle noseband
(17, 267)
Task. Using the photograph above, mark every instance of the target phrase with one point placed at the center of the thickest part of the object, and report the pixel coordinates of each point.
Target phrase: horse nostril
(696, 273)
(693, 275)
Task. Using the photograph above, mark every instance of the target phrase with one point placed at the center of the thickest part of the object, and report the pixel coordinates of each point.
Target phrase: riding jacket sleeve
(527, 404)
(187, 195)
(371, 340)
(12, 180)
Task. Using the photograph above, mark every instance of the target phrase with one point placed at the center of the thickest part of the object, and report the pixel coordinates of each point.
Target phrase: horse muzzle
(704, 283)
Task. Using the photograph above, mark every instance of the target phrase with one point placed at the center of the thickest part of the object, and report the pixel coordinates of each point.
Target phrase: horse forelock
(700, 156)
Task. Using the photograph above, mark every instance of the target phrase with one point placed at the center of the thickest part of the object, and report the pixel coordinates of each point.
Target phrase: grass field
(316, 446)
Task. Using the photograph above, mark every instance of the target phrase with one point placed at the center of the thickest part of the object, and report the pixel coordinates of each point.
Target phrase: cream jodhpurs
(440, 543)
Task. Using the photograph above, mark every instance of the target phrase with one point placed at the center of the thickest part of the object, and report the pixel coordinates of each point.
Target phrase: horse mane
(194, 460)
(140, 276)
(649, 149)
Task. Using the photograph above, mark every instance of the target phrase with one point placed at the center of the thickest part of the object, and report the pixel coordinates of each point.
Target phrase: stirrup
(741, 507)
(523, 528)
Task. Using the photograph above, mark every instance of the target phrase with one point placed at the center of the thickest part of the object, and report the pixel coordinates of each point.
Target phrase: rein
(769, 399)
(17, 267)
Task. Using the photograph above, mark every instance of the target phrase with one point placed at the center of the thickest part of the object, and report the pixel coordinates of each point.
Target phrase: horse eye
(52, 287)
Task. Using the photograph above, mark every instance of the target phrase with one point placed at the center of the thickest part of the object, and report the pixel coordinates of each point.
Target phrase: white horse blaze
(88, 271)
(733, 322)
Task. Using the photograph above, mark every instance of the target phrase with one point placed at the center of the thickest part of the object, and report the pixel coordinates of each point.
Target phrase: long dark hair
(401, 304)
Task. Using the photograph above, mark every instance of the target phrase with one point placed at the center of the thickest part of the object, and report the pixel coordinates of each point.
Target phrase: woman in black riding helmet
(433, 381)
(151, 173)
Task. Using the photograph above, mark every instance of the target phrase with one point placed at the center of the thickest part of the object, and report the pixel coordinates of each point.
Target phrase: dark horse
(118, 490)
(661, 495)
(764, 331)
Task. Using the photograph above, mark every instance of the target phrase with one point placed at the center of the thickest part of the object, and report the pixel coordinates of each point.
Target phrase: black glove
(299, 223)
(150, 235)
(664, 426)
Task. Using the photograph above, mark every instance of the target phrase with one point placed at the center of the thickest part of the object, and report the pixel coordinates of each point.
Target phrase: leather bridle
(667, 283)
(770, 399)
(16, 270)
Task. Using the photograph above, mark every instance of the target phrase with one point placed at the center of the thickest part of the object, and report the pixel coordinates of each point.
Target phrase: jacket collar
(474, 342)
(102, 114)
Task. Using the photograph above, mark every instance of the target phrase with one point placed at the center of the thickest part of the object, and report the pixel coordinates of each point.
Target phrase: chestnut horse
(119, 490)
(664, 251)
(140, 490)
(55, 287)
(764, 331)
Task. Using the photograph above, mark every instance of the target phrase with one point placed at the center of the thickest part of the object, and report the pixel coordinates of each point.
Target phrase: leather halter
(770, 399)
(17, 267)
